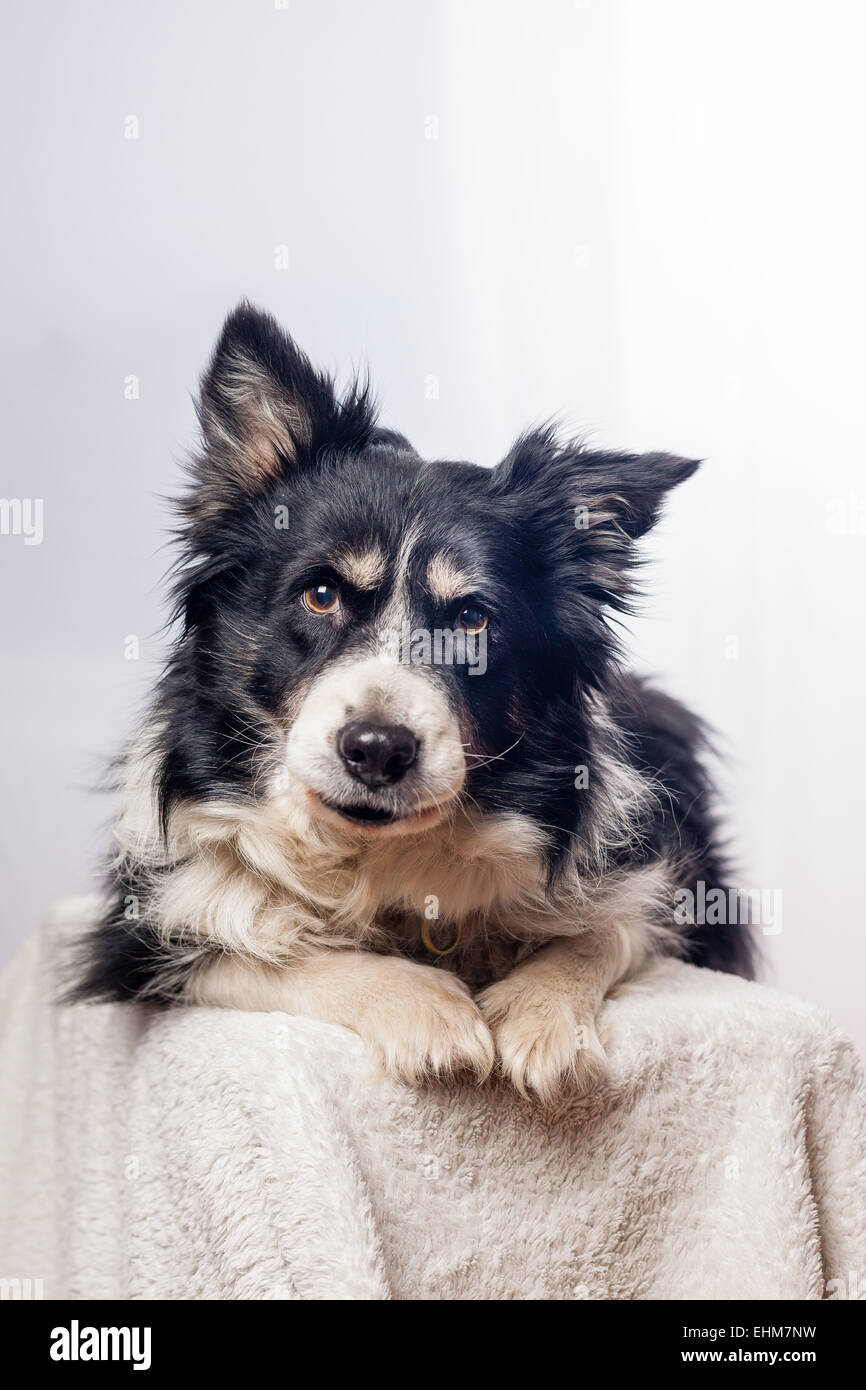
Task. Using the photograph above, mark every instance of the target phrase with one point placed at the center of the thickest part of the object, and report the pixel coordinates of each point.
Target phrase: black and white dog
(393, 776)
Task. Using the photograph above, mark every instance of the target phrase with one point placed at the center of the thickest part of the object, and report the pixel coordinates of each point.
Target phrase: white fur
(393, 694)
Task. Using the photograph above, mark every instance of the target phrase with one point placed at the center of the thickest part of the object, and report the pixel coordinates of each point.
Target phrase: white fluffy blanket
(205, 1154)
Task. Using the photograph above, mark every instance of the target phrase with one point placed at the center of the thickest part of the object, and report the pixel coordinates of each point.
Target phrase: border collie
(394, 776)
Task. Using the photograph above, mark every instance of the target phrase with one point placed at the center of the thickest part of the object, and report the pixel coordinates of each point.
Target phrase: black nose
(376, 753)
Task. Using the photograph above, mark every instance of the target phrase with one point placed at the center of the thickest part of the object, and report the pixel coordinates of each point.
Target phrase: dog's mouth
(369, 819)
(363, 815)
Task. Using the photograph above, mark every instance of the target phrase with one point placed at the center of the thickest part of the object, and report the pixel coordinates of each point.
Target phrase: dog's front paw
(429, 1026)
(544, 1047)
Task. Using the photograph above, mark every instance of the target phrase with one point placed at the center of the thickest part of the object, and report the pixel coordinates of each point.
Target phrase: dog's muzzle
(379, 745)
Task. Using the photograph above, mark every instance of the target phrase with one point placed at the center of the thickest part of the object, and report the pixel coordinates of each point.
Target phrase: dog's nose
(376, 754)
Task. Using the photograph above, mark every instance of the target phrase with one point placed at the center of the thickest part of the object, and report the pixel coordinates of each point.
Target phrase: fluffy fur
(476, 905)
(217, 1155)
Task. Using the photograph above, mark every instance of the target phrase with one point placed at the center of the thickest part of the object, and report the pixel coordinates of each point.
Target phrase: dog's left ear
(264, 410)
(591, 506)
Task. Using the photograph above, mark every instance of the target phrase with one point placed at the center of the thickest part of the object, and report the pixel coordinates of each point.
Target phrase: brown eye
(472, 618)
(321, 599)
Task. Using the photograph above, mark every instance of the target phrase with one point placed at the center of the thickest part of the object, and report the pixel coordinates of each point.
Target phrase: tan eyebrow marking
(363, 568)
(446, 580)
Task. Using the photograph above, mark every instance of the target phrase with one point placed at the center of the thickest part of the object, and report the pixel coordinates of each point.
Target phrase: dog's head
(379, 638)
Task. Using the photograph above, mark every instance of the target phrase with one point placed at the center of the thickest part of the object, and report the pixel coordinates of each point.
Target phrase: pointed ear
(592, 505)
(264, 410)
(622, 494)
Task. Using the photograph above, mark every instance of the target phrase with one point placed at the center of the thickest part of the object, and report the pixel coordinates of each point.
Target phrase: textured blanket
(204, 1154)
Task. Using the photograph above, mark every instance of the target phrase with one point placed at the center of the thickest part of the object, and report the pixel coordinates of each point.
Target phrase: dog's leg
(543, 1014)
(418, 1021)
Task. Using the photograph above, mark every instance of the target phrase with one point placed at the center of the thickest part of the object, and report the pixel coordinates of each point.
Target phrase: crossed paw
(432, 1027)
(544, 1047)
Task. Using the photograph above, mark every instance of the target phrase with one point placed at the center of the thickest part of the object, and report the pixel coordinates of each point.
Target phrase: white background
(645, 217)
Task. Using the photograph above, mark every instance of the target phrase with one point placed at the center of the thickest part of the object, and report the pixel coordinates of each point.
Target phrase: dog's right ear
(589, 506)
(264, 410)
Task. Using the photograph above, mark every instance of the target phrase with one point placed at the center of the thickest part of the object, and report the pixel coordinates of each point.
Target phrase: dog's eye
(321, 599)
(472, 618)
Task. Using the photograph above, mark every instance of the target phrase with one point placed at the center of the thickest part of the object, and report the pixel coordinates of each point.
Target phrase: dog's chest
(477, 949)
